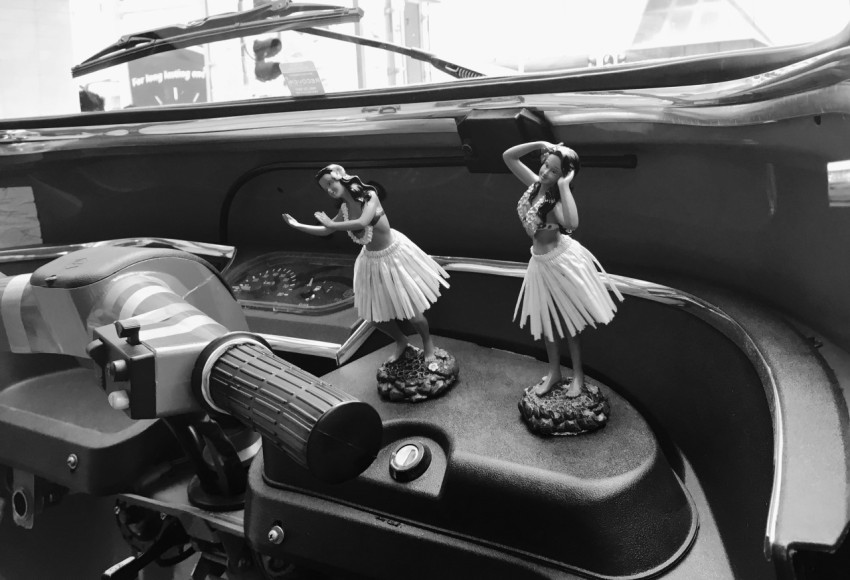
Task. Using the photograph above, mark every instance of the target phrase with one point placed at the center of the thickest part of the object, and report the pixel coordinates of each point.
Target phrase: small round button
(409, 460)
(118, 369)
(119, 400)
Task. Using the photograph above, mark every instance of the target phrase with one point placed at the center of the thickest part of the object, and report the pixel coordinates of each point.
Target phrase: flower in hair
(338, 173)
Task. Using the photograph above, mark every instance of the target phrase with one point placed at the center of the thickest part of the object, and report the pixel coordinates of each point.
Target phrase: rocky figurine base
(412, 379)
(557, 413)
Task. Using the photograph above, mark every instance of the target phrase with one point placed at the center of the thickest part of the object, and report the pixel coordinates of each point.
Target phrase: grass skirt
(397, 282)
(568, 284)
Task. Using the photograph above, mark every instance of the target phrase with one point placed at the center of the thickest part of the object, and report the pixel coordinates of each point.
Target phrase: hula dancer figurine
(394, 280)
(564, 290)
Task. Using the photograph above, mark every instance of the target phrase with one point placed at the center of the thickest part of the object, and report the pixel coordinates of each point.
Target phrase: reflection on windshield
(535, 36)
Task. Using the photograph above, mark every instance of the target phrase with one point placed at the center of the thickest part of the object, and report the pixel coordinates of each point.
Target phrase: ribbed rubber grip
(322, 428)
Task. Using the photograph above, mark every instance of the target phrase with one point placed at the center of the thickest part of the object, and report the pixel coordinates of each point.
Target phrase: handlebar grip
(322, 428)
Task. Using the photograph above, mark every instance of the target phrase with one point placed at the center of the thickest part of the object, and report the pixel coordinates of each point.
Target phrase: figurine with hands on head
(565, 288)
(394, 279)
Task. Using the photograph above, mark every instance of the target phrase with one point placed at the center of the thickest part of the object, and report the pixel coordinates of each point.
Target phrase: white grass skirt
(398, 282)
(568, 284)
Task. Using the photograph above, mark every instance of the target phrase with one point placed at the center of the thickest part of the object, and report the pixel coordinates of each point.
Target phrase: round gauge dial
(301, 283)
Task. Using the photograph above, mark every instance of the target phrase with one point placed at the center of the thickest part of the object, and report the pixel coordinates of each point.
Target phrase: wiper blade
(448, 67)
(274, 17)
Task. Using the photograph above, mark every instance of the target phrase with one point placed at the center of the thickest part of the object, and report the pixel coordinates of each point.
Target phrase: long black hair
(359, 191)
(569, 162)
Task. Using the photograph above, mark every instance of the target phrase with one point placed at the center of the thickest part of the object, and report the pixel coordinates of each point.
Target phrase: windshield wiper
(274, 17)
(448, 67)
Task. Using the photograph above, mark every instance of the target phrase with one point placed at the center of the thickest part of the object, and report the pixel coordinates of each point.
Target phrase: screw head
(276, 534)
(72, 461)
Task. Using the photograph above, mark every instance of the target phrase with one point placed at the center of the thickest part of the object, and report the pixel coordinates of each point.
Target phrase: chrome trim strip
(695, 306)
(302, 345)
(202, 249)
(355, 341)
(339, 352)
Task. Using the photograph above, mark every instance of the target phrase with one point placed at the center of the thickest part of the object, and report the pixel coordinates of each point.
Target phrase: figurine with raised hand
(394, 280)
(565, 289)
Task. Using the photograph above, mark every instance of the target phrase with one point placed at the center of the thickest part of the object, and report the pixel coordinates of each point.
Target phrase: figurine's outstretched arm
(321, 230)
(369, 210)
(517, 167)
(568, 204)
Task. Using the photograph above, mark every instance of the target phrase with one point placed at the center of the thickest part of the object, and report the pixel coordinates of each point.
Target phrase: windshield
(48, 39)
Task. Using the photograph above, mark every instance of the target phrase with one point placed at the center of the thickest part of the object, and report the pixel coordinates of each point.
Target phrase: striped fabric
(48, 320)
(397, 282)
(566, 284)
(166, 319)
(17, 306)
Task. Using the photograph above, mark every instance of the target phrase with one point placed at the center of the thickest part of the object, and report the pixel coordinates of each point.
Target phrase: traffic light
(263, 49)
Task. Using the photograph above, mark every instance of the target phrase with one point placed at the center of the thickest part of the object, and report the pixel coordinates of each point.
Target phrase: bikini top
(367, 231)
(528, 213)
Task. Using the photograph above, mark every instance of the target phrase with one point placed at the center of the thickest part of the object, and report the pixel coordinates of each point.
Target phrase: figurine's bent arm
(568, 204)
(366, 217)
(517, 167)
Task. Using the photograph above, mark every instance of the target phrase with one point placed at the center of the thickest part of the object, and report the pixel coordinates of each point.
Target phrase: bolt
(276, 534)
(162, 516)
(72, 461)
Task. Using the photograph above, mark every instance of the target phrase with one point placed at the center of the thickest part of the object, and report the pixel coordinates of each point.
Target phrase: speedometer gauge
(294, 282)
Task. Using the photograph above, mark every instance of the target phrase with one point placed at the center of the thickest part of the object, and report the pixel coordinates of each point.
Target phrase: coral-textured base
(411, 379)
(556, 413)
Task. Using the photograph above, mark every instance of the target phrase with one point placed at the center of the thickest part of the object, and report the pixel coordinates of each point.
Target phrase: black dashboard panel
(604, 505)
(52, 409)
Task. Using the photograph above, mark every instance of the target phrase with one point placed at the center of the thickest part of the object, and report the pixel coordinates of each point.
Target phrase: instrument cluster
(294, 282)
